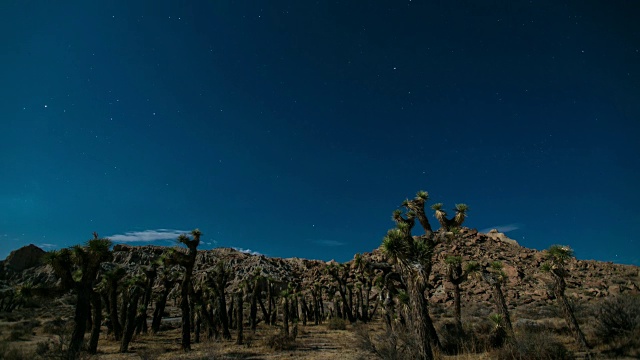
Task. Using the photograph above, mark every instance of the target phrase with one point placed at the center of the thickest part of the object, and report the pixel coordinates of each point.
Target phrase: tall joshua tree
(85, 262)
(456, 276)
(135, 288)
(220, 278)
(169, 278)
(413, 256)
(495, 277)
(188, 261)
(557, 257)
(111, 280)
(453, 223)
(151, 272)
(239, 316)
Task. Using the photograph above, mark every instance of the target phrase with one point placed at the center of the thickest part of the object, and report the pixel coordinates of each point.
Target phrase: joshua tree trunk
(96, 302)
(285, 315)
(567, 311)
(196, 330)
(224, 320)
(80, 319)
(420, 318)
(231, 313)
(305, 310)
(388, 311)
(113, 313)
(269, 302)
(160, 306)
(265, 313)
(186, 312)
(142, 319)
(239, 317)
(253, 312)
(501, 307)
(456, 305)
(123, 309)
(130, 324)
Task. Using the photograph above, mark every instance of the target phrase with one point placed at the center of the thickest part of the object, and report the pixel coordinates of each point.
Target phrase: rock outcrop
(24, 258)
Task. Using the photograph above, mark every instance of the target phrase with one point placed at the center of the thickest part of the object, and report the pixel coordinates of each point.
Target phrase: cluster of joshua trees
(397, 288)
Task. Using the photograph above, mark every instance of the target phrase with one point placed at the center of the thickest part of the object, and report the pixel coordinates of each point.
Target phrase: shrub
(9, 352)
(337, 323)
(618, 324)
(53, 326)
(456, 340)
(618, 316)
(279, 341)
(22, 330)
(533, 346)
(394, 345)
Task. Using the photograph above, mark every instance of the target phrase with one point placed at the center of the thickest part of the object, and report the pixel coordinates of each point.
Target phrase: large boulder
(24, 258)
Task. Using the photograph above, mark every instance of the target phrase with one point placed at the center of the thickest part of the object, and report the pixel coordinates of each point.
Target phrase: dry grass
(312, 342)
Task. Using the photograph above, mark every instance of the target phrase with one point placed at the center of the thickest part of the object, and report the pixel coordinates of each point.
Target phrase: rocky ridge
(588, 280)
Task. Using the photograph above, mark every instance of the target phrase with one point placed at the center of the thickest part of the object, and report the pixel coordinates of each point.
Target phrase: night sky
(295, 128)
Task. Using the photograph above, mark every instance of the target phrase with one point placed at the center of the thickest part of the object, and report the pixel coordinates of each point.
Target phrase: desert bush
(53, 326)
(56, 348)
(22, 330)
(528, 325)
(473, 338)
(279, 341)
(533, 346)
(336, 323)
(618, 316)
(10, 352)
(618, 324)
(149, 353)
(393, 345)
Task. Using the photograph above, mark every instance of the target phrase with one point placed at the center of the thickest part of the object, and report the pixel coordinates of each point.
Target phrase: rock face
(24, 258)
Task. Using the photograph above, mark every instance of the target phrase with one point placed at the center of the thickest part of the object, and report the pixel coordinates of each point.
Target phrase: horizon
(173, 243)
(295, 129)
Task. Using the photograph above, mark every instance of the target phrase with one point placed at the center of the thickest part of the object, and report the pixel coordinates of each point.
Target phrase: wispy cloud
(148, 235)
(328, 242)
(247, 251)
(503, 228)
(47, 246)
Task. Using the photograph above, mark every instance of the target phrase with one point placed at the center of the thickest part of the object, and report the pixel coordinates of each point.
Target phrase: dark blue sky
(294, 128)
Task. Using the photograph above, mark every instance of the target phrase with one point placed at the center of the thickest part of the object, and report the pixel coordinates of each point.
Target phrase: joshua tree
(456, 276)
(188, 261)
(239, 316)
(285, 312)
(169, 278)
(111, 281)
(135, 288)
(85, 262)
(413, 258)
(365, 276)
(220, 279)
(557, 257)
(495, 277)
(254, 290)
(340, 274)
(453, 223)
(151, 272)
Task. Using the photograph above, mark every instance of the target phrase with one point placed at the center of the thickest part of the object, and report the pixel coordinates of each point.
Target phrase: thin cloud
(503, 228)
(328, 242)
(148, 235)
(246, 251)
(47, 246)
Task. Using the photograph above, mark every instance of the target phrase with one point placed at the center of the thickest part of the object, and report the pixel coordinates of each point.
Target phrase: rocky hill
(588, 281)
